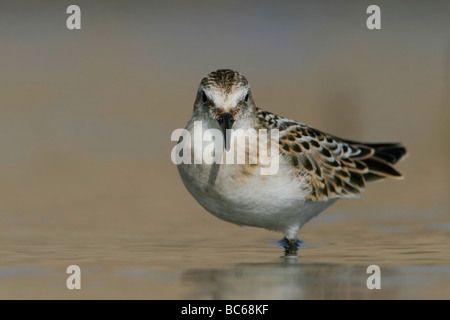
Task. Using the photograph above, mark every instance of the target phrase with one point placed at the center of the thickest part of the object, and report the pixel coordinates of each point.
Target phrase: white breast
(241, 195)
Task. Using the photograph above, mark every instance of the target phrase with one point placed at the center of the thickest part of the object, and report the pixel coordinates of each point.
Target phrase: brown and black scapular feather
(335, 167)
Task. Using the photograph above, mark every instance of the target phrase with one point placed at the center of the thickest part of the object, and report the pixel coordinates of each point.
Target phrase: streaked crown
(225, 79)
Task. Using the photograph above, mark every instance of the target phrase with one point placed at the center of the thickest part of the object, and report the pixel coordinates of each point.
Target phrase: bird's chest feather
(222, 188)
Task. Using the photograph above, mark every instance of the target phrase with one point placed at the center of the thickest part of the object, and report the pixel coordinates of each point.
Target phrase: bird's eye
(204, 97)
(246, 98)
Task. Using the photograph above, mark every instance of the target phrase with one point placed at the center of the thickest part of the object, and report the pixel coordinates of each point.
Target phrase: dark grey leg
(290, 246)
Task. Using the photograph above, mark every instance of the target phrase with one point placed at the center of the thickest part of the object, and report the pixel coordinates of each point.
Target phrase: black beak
(226, 122)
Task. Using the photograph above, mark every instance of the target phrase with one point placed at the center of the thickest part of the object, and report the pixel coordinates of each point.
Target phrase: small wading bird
(315, 168)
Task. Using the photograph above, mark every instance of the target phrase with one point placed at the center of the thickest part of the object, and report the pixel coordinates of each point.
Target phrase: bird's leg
(290, 246)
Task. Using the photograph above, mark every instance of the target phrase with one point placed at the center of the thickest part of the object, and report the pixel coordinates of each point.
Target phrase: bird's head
(224, 95)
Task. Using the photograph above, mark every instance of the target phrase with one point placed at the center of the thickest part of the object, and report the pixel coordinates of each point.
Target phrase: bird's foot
(290, 246)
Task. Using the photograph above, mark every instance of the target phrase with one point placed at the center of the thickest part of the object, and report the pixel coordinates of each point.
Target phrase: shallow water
(134, 273)
(216, 260)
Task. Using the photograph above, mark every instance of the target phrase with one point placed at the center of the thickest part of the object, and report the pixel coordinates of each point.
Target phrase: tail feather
(391, 152)
(381, 167)
(380, 164)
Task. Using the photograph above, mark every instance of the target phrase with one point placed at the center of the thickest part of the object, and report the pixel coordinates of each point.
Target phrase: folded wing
(335, 167)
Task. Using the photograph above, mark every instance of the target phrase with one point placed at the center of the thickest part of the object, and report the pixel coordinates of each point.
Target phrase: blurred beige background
(86, 118)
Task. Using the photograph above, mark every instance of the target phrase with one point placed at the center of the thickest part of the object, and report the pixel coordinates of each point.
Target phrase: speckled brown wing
(336, 168)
